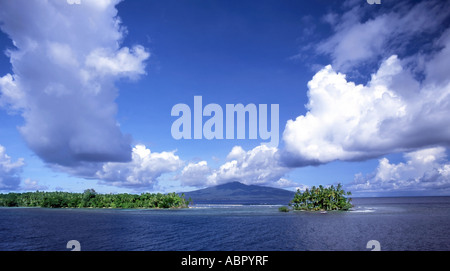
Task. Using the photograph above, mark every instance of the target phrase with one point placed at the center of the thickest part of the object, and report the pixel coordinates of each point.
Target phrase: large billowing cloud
(423, 170)
(66, 61)
(9, 171)
(405, 106)
(65, 64)
(345, 121)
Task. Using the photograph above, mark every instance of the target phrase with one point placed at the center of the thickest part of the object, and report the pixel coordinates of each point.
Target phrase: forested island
(322, 199)
(90, 199)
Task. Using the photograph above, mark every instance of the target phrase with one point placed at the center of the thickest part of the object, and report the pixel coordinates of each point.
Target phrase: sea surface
(407, 223)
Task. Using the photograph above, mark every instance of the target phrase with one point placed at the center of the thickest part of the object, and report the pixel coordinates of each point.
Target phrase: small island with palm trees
(322, 199)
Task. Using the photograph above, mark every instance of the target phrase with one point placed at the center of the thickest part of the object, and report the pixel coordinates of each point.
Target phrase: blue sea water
(416, 223)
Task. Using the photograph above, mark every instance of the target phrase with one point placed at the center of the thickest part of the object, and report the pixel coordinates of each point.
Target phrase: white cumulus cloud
(195, 174)
(425, 169)
(126, 62)
(142, 171)
(393, 112)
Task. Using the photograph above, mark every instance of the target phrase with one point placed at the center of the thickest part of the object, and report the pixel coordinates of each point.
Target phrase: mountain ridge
(239, 193)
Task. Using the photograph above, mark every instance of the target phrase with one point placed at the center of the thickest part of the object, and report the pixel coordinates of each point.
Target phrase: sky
(138, 96)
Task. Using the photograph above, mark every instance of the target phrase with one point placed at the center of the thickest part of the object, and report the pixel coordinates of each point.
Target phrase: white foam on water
(362, 211)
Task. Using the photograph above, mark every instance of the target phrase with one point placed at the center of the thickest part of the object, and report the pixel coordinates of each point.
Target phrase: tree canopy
(322, 198)
(90, 199)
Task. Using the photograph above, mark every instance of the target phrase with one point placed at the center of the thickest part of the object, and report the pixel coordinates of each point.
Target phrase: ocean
(406, 223)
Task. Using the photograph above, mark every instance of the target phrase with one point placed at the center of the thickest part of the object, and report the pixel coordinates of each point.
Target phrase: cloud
(66, 61)
(195, 174)
(142, 171)
(9, 171)
(404, 106)
(124, 62)
(11, 96)
(393, 112)
(260, 166)
(363, 36)
(423, 170)
(344, 119)
(32, 185)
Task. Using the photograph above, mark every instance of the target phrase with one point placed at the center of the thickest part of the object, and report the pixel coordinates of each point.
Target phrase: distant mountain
(239, 193)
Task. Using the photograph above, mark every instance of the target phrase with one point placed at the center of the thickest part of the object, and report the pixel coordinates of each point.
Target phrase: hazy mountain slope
(238, 193)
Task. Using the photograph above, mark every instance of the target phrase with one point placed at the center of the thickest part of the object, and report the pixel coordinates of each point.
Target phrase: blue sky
(86, 93)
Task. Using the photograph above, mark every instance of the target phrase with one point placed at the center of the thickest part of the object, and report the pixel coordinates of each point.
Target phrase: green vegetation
(322, 198)
(283, 209)
(90, 199)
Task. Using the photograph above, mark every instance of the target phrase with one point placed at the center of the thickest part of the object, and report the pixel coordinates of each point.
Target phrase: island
(322, 199)
(91, 199)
